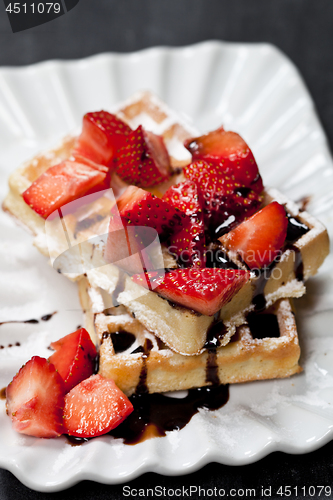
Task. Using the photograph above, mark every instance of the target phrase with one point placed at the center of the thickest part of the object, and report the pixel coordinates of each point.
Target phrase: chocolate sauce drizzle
(3, 393)
(214, 336)
(17, 344)
(155, 414)
(120, 287)
(46, 317)
(142, 387)
(217, 258)
(298, 263)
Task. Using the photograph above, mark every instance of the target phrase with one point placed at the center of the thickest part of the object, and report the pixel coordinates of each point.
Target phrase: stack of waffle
(145, 342)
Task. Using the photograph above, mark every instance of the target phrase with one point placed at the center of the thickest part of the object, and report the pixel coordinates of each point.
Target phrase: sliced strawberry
(62, 184)
(35, 399)
(144, 160)
(203, 290)
(186, 197)
(94, 407)
(259, 239)
(102, 135)
(74, 358)
(130, 229)
(102, 168)
(141, 208)
(224, 198)
(231, 153)
(188, 244)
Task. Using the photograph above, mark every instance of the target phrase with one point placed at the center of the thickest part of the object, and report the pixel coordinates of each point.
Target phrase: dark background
(303, 29)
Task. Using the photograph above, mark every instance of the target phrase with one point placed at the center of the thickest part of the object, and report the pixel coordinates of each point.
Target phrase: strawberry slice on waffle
(144, 160)
(132, 220)
(224, 197)
(203, 290)
(64, 183)
(102, 135)
(231, 154)
(188, 244)
(259, 239)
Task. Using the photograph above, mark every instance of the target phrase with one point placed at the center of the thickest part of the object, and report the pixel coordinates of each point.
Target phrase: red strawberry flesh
(203, 290)
(102, 135)
(130, 229)
(231, 153)
(188, 244)
(144, 160)
(35, 399)
(94, 407)
(141, 208)
(258, 240)
(224, 198)
(74, 358)
(62, 184)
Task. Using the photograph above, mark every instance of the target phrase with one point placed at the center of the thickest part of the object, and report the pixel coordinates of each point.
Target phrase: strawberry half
(144, 160)
(35, 399)
(62, 184)
(102, 135)
(232, 155)
(94, 407)
(188, 244)
(259, 239)
(224, 198)
(203, 290)
(74, 358)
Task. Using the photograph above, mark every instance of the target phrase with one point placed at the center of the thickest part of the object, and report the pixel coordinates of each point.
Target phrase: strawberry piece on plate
(188, 244)
(224, 198)
(94, 407)
(204, 290)
(258, 240)
(144, 160)
(62, 184)
(74, 358)
(35, 399)
(102, 135)
(231, 153)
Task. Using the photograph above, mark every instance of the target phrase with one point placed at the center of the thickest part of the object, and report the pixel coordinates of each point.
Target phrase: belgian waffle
(181, 329)
(266, 347)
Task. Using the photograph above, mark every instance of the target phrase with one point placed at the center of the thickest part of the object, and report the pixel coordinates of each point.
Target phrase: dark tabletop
(303, 29)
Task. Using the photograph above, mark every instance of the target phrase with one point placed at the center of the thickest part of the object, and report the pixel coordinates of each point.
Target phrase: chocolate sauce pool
(263, 325)
(121, 340)
(295, 229)
(155, 414)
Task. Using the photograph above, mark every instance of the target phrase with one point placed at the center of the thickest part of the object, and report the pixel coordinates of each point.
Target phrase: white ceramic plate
(253, 89)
